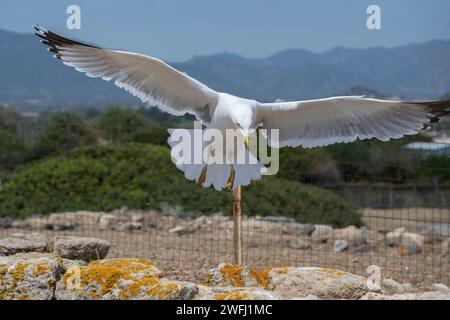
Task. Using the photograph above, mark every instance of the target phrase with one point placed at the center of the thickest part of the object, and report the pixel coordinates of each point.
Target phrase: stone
(393, 238)
(298, 229)
(6, 223)
(112, 221)
(29, 276)
(300, 243)
(434, 231)
(340, 245)
(322, 233)
(352, 235)
(430, 295)
(411, 243)
(234, 293)
(81, 248)
(21, 242)
(320, 282)
(390, 286)
(121, 279)
(289, 282)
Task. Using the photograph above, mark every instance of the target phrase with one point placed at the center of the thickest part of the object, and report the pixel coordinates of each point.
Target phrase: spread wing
(148, 78)
(322, 122)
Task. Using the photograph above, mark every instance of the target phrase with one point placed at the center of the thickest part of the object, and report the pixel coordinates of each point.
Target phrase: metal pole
(237, 223)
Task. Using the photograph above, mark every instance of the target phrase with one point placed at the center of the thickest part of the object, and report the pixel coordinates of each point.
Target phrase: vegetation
(119, 157)
(143, 176)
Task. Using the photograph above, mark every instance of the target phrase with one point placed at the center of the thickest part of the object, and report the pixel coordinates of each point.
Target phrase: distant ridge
(31, 79)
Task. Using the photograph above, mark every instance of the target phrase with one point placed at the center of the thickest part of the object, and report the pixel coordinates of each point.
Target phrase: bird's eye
(239, 125)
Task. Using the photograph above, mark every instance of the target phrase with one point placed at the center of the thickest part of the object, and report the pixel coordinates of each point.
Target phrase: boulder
(352, 235)
(289, 282)
(112, 221)
(411, 243)
(6, 223)
(21, 242)
(233, 293)
(393, 238)
(294, 228)
(434, 231)
(322, 233)
(340, 245)
(300, 243)
(430, 295)
(29, 276)
(390, 286)
(121, 279)
(80, 248)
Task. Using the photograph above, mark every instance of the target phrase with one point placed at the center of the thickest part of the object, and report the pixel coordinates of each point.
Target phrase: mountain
(30, 78)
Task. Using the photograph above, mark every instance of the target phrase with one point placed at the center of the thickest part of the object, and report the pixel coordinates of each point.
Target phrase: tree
(61, 132)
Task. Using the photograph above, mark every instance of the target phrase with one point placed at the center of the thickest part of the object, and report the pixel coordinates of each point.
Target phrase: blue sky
(176, 30)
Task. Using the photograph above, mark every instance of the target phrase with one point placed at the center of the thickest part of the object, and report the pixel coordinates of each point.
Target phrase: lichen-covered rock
(288, 282)
(237, 276)
(320, 282)
(29, 276)
(23, 242)
(234, 293)
(121, 279)
(80, 248)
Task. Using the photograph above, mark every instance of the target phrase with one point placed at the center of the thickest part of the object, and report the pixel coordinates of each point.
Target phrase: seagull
(309, 123)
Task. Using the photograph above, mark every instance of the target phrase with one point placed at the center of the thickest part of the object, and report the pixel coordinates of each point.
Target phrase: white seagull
(311, 123)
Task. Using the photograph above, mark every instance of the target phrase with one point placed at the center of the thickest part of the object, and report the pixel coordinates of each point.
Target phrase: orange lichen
(40, 268)
(232, 274)
(236, 295)
(261, 276)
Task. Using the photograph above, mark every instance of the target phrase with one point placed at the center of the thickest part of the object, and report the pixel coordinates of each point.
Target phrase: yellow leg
(230, 181)
(201, 179)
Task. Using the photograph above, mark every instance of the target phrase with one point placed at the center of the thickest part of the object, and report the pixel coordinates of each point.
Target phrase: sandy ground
(190, 256)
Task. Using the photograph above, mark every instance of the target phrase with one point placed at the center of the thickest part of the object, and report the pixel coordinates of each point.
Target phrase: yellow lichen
(232, 274)
(110, 275)
(236, 295)
(40, 268)
(261, 276)
(332, 272)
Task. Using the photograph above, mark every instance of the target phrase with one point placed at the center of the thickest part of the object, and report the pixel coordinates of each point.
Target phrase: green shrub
(143, 176)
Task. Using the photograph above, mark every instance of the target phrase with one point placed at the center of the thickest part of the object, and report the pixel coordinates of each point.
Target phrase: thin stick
(237, 223)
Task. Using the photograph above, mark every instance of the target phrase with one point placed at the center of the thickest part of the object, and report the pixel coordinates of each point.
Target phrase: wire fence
(405, 231)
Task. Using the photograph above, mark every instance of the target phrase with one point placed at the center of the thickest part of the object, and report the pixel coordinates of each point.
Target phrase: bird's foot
(201, 179)
(230, 181)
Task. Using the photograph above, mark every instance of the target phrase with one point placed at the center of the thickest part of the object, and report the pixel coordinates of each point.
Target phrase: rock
(300, 243)
(20, 242)
(29, 276)
(322, 233)
(434, 231)
(340, 245)
(182, 230)
(320, 282)
(34, 223)
(430, 295)
(390, 286)
(298, 229)
(393, 238)
(411, 243)
(280, 219)
(352, 235)
(121, 279)
(78, 248)
(363, 248)
(112, 221)
(289, 282)
(233, 293)
(6, 223)
(130, 226)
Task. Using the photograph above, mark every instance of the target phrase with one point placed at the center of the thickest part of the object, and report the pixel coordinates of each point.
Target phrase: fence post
(237, 224)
